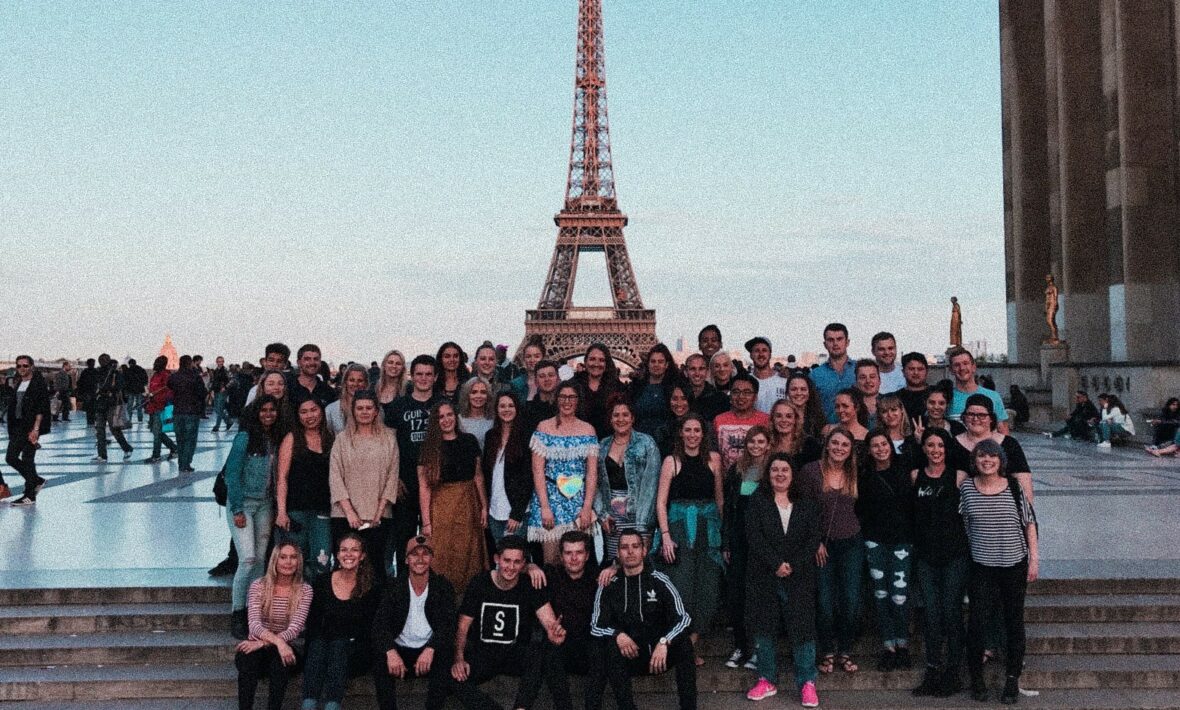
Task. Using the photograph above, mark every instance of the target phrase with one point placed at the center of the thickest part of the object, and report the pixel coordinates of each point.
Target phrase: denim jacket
(246, 475)
(641, 464)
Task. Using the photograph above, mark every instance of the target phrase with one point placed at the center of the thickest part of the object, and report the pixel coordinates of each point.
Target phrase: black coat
(769, 547)
(518, 476)
(395, 607)
(35, 401)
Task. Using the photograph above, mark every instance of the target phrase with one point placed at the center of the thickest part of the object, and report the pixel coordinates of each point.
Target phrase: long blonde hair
(848, 468)
(776, 437)
(272, 577)
(384, 382)
(346, 396)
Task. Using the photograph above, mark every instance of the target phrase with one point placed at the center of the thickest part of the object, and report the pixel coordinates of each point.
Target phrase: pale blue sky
(375, 175)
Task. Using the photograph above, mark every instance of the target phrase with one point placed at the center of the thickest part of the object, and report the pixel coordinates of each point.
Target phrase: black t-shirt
(503, 619)
(459, 458)
(298, 394)
(307, 481)
(409, 417)
(914, 401)
(960, 457)
(573, 601)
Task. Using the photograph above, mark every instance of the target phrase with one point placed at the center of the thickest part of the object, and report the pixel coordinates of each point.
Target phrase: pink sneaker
(762, 689)
(808, 696)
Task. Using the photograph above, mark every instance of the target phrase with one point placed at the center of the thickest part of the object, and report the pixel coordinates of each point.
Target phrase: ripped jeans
(889, 578)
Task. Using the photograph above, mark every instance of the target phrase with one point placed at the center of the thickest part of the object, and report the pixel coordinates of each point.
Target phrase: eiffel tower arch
(590, 221)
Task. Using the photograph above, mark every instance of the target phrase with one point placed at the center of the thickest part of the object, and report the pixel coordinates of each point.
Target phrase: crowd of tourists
(458, 519)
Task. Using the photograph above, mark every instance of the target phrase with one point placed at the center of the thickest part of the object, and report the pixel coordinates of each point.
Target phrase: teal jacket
(246, 475)
(641, 464)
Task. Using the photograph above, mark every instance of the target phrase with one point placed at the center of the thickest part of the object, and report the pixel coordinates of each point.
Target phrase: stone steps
(172, 645)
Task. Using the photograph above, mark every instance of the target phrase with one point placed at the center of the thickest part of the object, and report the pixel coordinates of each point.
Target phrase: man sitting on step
(641, 627)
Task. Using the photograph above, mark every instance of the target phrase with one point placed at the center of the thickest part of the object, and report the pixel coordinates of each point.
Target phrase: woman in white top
(1116, 421)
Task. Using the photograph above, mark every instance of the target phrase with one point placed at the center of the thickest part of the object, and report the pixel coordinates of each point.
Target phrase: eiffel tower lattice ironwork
(590, 221)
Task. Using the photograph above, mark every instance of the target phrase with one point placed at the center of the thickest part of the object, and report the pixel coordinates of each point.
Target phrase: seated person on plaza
(570, 588)
(642, 628)
(414, 629)
(1166, 433)
(1081, 421)
(496, 621)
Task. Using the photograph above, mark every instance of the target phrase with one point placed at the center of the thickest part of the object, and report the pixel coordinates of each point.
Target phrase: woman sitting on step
(278, 606)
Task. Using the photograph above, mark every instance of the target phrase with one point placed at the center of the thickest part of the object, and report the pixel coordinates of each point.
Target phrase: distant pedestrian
(134, 385)
(188, 405)
(86, 387)
(63, 385)
(110, 408)
(158, 398)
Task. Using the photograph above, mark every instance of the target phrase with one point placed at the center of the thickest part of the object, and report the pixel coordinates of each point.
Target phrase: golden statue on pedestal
(956, 323)
(1051, 310)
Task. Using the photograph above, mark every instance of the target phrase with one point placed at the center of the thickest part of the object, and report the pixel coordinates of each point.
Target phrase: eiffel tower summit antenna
(590, 221)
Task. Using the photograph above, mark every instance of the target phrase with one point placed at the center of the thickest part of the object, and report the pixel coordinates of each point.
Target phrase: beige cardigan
(363, 470)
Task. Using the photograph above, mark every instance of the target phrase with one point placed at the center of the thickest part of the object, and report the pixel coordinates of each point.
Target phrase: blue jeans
(219, 414)
(159, 438)
(498, 528)
(804, 653)
(135, 406)
(251, 544)
(838, 601)
(186, 437)
(314, 539)
(1107, 431)
(889, 577)
(325, 675)
(942, 592)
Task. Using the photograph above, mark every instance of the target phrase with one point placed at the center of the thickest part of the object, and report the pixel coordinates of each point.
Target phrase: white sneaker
(734, 658)
(99, 459)
(752, 663)
(1104, 444)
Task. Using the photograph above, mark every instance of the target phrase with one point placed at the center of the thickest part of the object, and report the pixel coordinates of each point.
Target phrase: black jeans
(996, 591)
(557, 664)
(438, 677)
(521, 661)
(619, 670)
(20, 456)
(253, 667)
(100, 434)
(942, 594)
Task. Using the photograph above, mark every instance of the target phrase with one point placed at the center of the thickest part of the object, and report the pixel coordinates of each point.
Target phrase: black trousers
(438, 678)
(253, 667)
(100, 433)
(522, 661)
(997, 591)
(20, 456)
(618, 672)
(557, 662)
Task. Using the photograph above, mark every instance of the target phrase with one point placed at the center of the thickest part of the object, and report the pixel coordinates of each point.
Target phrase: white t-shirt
(770, 390)
(417, 632)
(499, 507)
(784, 514)
(892, 381)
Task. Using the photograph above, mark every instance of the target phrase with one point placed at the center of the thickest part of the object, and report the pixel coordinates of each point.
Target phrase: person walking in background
(158, 398)
(63, 385)
(134, 385)
(28, 418)
(188, 406)
(86, 388)
(109, 409)
(218, 384)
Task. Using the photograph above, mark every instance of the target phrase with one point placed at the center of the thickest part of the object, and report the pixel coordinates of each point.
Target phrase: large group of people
(458, 523)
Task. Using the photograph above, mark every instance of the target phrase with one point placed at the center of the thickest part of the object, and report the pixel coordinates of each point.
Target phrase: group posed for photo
(460, 519)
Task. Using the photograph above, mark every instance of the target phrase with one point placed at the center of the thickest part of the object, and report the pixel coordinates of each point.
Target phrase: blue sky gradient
(376, 175)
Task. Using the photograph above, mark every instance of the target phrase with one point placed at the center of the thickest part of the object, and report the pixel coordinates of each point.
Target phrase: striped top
(995, 526)
(281, 622)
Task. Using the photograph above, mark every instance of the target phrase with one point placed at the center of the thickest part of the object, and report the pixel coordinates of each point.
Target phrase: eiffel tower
(590, 221)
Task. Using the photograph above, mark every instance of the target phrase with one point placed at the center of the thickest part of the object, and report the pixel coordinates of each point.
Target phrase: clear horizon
(354, 175)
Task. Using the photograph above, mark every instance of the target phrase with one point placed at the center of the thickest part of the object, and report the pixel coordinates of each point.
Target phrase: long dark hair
(300, 433)
(813, 413)
(517, 447)
(364, 571)
(1166, 412)
(643, 377)
(261, 442)
(463, 372)
(611, 375)
(159, 364)
(869, 459)
(678, 447)
(858, 402)
(431, 454)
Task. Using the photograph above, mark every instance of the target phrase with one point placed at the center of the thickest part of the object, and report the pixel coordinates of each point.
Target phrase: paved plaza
(1103, 514)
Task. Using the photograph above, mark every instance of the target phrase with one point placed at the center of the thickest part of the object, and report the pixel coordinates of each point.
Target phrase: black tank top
(939, 536)
(307, 482)
(694, 482)
(616, 474)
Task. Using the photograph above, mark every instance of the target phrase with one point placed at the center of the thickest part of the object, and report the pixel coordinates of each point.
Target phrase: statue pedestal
(1063, 385)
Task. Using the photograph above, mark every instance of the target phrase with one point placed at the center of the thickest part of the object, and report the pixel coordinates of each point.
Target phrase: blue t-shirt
(828, 382)
(959, 403)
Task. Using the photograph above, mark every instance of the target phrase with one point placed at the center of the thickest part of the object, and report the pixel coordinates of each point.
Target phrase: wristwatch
(663, 641)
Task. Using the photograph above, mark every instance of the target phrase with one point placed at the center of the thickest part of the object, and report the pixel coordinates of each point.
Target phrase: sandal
(826, 664)
(847, 665)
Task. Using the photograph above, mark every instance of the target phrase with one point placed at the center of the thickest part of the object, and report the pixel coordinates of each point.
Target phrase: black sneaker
(37, 488)
(23, 501)
(978, 690)
(1011, 691)
(929, 683)
(949, 684)
(224, 568)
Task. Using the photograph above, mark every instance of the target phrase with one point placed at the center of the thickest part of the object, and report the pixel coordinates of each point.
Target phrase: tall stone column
(1149, 294)
(1085, 280)
(1026, 219)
